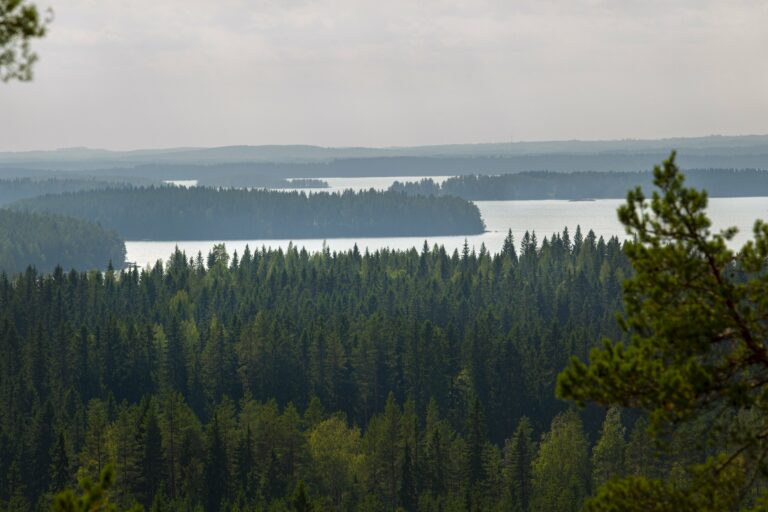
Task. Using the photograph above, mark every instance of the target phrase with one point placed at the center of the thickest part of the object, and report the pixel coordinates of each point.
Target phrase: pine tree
(407, 481)
(60, 471)
(475, 444)
(475, 447)
(245, 462)
(694, 356)
(152, 456)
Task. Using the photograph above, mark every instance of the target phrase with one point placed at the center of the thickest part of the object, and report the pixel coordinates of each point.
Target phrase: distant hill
(312, 161)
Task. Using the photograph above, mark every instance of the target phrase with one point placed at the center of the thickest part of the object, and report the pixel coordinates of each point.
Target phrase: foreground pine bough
(696, 358)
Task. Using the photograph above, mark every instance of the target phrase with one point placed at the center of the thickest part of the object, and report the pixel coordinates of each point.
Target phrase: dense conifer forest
(200, 213)
(350, 381)
(45, 240)
(584, 185)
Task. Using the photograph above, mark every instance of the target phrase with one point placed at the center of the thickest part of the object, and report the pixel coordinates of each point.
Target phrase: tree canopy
(378, 380)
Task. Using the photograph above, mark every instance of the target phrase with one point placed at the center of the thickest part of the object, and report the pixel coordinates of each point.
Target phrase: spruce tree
(216, 474)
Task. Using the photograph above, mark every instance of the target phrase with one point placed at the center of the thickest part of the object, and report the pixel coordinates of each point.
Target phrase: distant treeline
(584, 185)
(306, 183)
(44, 241)
(252, 180)
(200, 213)
(282, 161)
(238, 174)
(24, 188)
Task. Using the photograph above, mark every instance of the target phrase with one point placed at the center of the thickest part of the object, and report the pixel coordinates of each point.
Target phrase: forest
(345, 381)
(200, 213)
(45, 241)
(584, 185)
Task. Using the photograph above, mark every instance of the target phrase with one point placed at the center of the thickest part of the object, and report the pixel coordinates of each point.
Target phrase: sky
(127, 74)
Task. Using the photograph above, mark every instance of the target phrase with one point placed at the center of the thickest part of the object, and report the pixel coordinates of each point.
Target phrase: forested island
(352, 382)
(44, 241)
(201, 213)
(584, 185)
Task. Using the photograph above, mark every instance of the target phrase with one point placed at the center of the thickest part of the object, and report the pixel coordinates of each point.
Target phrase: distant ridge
(600, 155)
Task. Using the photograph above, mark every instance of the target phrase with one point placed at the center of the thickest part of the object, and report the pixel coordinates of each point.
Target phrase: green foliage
(94, 496)
(561, 468)
(336, 451)
(20, 22)
(696, 358)
(714, 486)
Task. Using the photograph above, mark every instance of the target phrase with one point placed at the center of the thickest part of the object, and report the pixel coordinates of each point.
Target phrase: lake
(542, 216)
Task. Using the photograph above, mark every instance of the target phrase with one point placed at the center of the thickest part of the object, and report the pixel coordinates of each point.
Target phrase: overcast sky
(124, 74)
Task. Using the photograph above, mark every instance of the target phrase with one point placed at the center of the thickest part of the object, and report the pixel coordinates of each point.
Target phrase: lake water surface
(544, 217)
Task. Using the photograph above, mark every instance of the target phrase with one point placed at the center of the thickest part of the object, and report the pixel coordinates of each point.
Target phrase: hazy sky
(126, 74)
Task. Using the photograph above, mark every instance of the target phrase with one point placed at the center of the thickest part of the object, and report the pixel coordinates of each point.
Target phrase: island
(205, 213)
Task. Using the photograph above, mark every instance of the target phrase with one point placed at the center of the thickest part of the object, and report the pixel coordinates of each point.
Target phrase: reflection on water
(543, 217)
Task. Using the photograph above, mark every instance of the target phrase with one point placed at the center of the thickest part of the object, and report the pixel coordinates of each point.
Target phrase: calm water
(544, 217)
